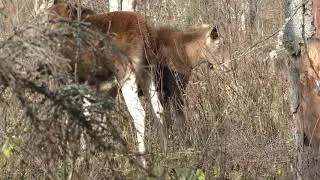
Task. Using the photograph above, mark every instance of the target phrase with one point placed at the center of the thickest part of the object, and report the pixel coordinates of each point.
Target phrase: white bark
(297, 29)
(298, 26)
(36, 7)
(244, 12)
(290, 34)
(41, 6)
(114, 5)
(118, 5)
(127, 5)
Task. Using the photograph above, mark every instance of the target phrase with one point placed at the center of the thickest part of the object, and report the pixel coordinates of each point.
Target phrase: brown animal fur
(66, 10)
(97, 68)
(310, 106)
(176, 50)
(178, 53)
(146, 46)
(128, 30)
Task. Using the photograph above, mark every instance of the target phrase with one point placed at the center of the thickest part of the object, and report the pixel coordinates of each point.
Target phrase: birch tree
(114, 5)
(41, 6)
(127, 5)
(297, 29)
(124, 5)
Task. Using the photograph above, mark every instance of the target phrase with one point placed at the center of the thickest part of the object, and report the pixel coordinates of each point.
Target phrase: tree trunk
(244, 13)
(297, 29)
(114, 5)
(41, 6)
(121, 5)
(252, 14)
(127, 5)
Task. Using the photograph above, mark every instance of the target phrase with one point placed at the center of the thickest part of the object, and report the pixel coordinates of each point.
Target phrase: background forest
(238, 122)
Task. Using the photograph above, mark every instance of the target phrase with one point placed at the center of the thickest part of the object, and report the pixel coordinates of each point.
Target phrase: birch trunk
(297, 29)
(114, 5)
(41, 6)
(121, 5)
(244, 12)
(127, 5)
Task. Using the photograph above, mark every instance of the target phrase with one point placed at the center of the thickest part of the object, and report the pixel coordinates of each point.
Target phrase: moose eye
(214, 33)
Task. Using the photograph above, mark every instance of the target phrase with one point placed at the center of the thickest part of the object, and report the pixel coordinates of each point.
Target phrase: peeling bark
(297, 29)
(299, 25)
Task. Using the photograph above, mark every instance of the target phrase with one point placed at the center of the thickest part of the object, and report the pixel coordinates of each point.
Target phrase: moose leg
(157, 111)
(130, 94)
(147, 85)
(155, 102)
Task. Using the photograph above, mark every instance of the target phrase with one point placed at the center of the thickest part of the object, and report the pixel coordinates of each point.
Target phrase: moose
(149, 49)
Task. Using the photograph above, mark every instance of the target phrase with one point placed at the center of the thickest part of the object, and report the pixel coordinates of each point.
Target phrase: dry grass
(45, 131)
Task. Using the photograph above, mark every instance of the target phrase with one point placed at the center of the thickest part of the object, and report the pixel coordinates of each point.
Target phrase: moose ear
(86, 12)
(214, 33)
